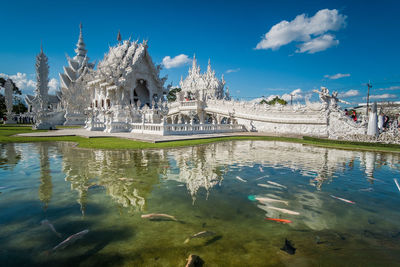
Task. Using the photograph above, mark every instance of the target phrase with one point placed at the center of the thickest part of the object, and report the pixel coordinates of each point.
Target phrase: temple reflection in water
(130, 176)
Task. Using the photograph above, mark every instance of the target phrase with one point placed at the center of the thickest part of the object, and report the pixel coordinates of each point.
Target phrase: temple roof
(123, 59)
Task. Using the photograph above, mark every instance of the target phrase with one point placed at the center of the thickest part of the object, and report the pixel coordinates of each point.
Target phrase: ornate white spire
(42, 78)
(209, 70)
(80, 46)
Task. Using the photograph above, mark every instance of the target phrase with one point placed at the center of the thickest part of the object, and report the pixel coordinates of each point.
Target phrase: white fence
(185, 129)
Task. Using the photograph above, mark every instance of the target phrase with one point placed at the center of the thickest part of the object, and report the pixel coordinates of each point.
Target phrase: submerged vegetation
(8, 135)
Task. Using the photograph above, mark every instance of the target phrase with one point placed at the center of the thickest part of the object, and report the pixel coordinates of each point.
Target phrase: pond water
(230, 189)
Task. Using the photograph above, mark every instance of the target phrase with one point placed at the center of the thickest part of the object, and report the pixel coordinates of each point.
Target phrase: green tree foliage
(19, 106)
(171, 97)
(274, 101)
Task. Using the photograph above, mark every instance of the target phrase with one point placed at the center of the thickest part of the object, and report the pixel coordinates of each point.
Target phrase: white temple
(126, 94)
(125, 89)
(75, 96)
(205, 86)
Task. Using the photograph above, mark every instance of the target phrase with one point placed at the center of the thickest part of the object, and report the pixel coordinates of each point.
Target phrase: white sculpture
(373, 122)
(75, 95)
(8, 95)
(40, 102)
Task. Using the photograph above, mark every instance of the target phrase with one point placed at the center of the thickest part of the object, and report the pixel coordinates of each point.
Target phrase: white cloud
(349, 93)
(383, 96)
(318, 44)
(53, 85)
(175, 62)
(21, 80)
(309, 31)
(337, 76)
(232, 70)
(390, 88)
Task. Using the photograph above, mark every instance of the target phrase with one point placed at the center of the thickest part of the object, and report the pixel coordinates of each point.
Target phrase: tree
(19, 106)
(274, 101)
(171, 96)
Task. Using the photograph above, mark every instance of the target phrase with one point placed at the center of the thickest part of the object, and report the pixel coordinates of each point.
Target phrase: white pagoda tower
(75, 96)
(205, 86)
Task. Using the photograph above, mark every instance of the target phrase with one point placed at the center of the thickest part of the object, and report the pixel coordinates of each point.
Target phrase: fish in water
(267, 199)
(269, 186)
(240, 179)
(265, 176)
(273, 183)
(201, 234)
(369, 189)
(397, 183)
(279, 220)
(284, 210)
(70, 240)
(261, 169)
(343, 199)
(194, 261)
(289, 247)
(51, 226)
(158, 215)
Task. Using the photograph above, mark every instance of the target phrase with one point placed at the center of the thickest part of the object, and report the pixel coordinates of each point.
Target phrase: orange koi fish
(279, 220)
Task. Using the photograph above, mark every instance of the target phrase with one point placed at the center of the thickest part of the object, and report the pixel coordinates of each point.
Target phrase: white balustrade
(184, 129)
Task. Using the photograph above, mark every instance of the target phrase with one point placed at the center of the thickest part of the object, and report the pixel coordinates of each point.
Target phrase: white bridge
(319, 119)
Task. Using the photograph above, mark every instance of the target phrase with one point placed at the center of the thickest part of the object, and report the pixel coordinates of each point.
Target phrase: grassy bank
(7, 132)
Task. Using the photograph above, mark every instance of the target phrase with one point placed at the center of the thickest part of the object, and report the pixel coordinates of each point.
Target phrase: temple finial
(119, 38)
(41, 46)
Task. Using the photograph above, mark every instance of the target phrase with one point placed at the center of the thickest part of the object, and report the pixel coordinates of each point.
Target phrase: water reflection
(127, 176)
(200, 186)
(46, 186)
(9, 156)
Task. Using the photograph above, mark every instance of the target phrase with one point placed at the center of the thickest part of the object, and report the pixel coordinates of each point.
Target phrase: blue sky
(355, 40)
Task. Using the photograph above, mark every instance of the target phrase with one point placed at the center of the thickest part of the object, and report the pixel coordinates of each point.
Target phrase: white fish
(158, 215)
(367, 189)
(273, 183)
(261, 169)
(343, 199)
(397, 183)
(71, 239)
(265, 176)
(201, 234)
(269, 186)
(267, 199)
(285, 211)
(240, 179)
(47, 222)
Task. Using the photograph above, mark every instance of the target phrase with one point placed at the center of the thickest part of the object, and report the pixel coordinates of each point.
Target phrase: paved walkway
(139, 137)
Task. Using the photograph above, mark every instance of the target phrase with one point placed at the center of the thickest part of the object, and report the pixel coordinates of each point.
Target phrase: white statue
(373, 122)
(8, 94)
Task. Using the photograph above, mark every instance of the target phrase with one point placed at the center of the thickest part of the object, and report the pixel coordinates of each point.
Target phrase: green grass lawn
(7, 132)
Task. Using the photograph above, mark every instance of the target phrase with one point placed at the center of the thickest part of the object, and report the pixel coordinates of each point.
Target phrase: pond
(254, 203)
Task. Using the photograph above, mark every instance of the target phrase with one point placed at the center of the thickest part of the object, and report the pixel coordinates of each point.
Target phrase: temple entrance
(141, 93)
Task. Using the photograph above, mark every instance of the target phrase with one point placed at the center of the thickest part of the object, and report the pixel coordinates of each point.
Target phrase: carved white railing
(292, 114)
(184, 129)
